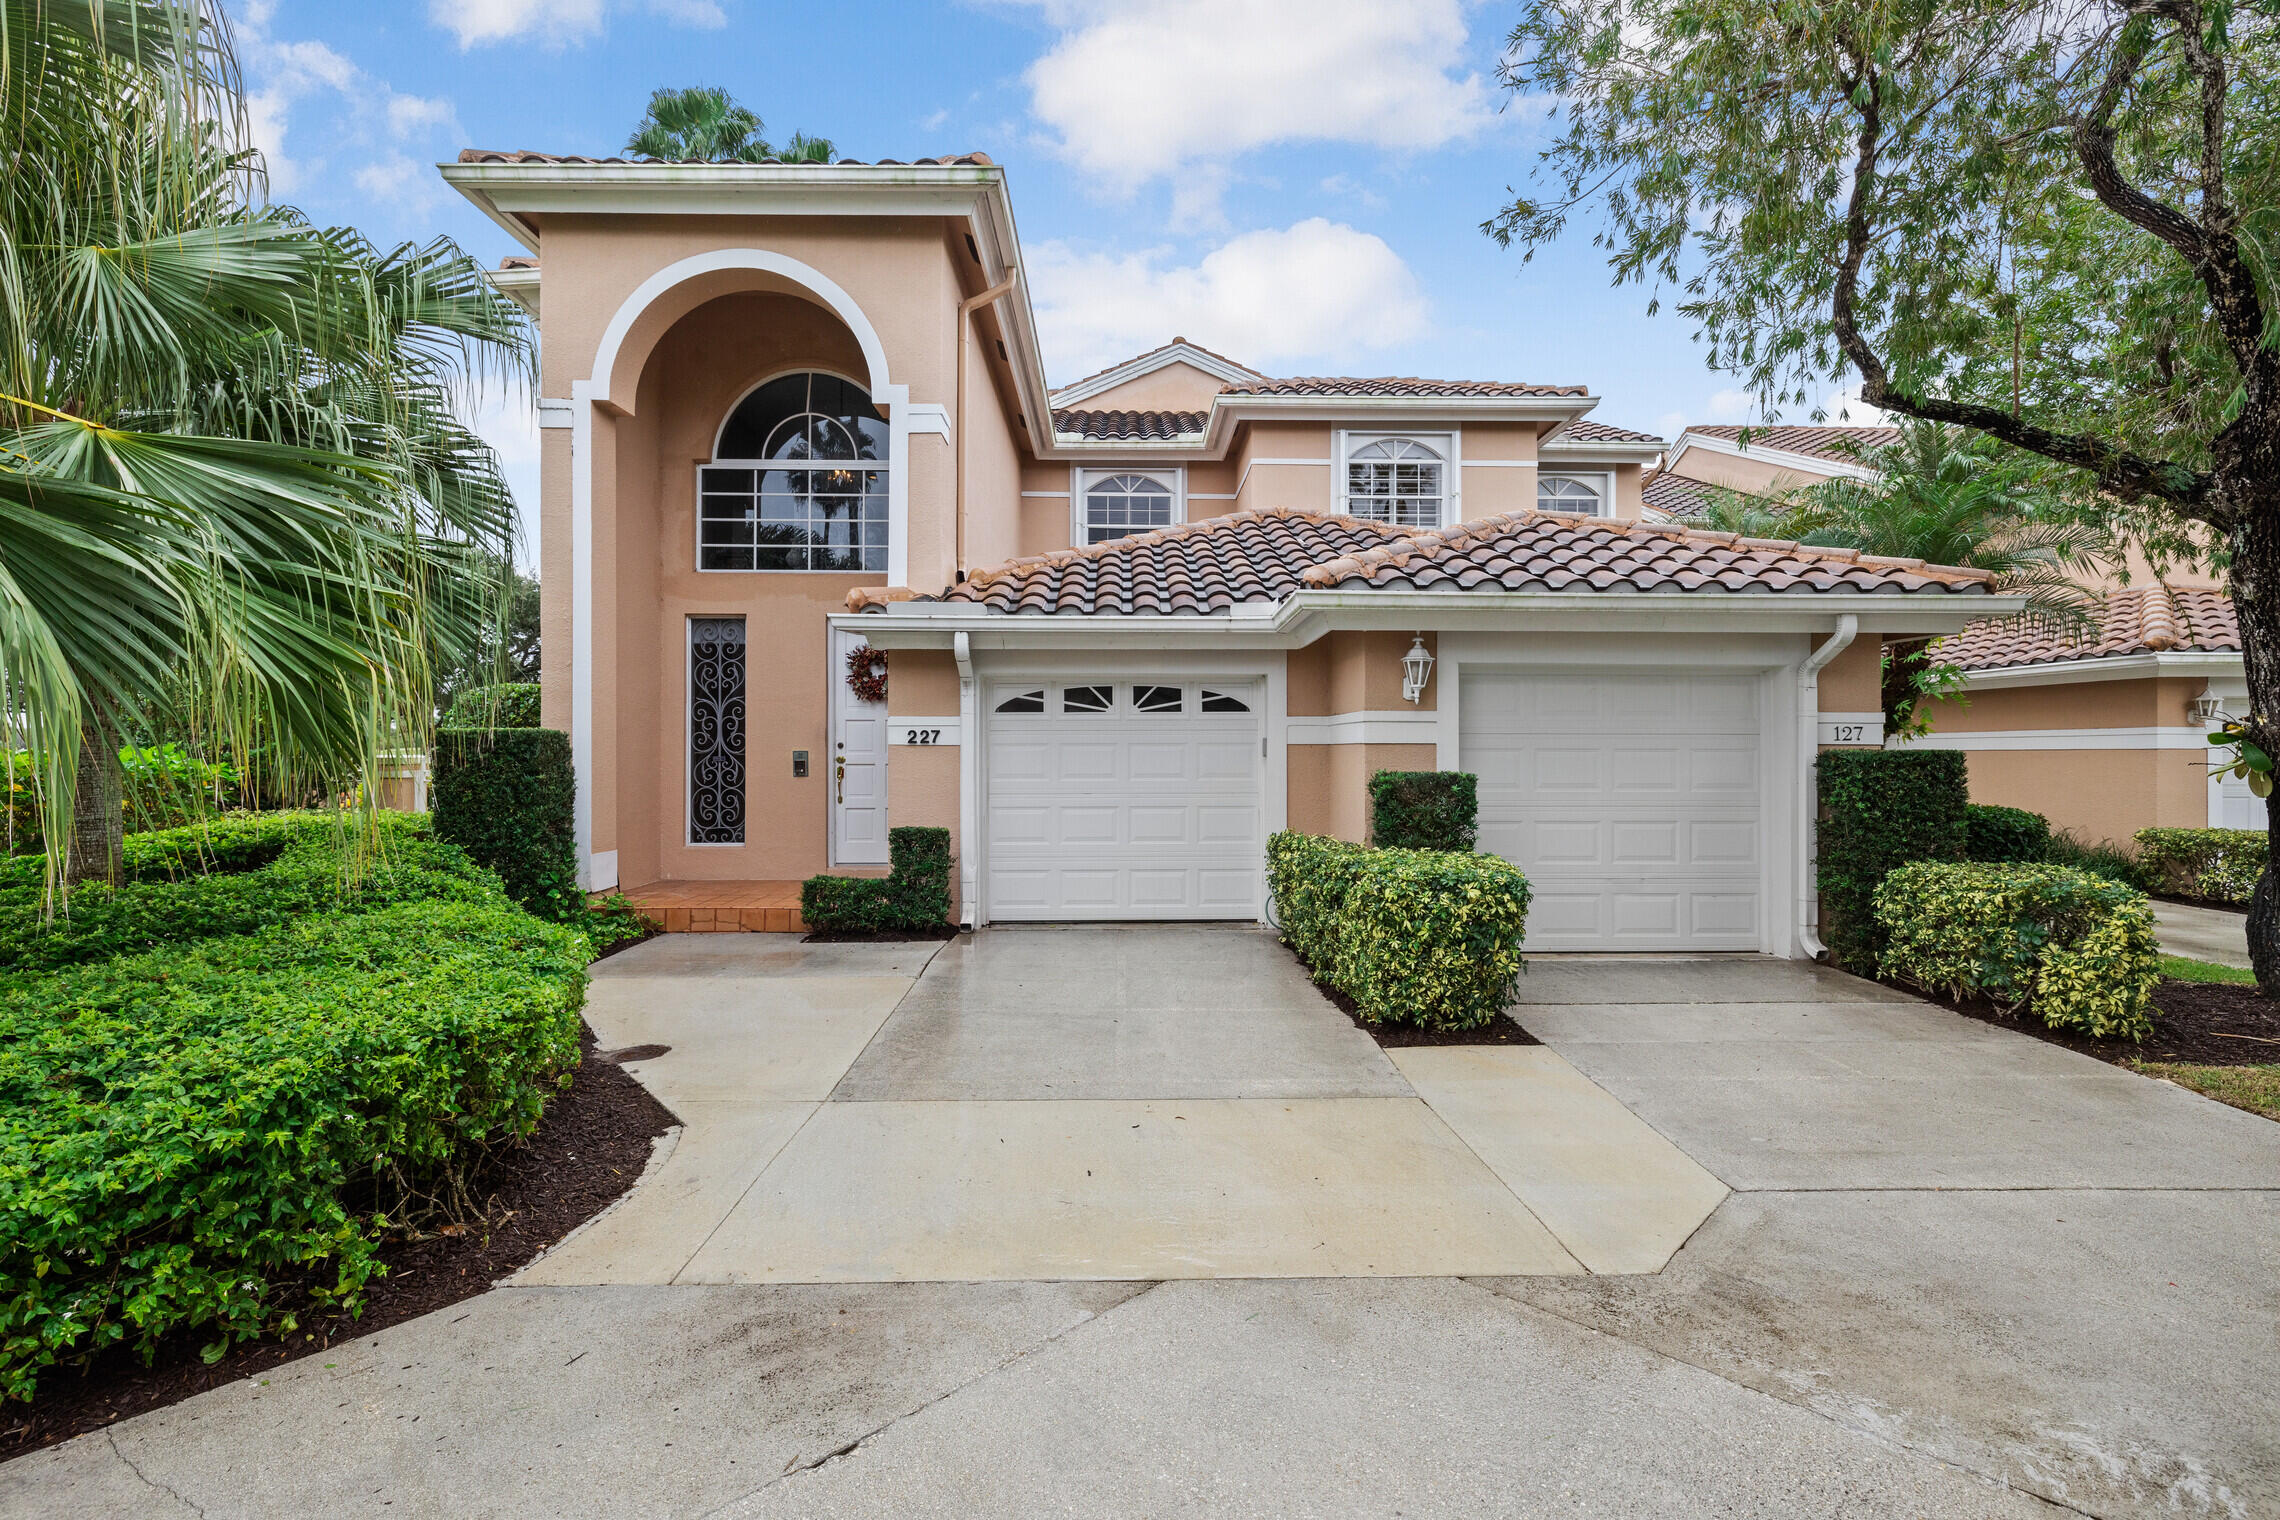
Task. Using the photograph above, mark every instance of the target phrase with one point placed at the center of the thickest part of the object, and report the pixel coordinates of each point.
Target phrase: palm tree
(235, 492)
(702, 124)
(1940, 495)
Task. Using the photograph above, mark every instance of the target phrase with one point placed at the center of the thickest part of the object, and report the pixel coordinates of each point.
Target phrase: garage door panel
(1632, 802)
(1128, 813)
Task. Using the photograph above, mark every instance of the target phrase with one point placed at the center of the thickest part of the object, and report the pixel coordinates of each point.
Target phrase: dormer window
(1585, 494)
(798, 480)
(1400, 481)
(1120, 503)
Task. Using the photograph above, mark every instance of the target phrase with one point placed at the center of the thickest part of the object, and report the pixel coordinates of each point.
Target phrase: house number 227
(922, 736)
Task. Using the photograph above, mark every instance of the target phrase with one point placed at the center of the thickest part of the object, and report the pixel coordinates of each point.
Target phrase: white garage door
(1122, 799)
(1630, 801)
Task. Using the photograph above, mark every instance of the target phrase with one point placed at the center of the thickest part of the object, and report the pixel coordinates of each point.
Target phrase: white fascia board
(2204, 664)
(1306, 615)
(1150, 362)
(1809, 464)
(1600, 451)
(517, 285)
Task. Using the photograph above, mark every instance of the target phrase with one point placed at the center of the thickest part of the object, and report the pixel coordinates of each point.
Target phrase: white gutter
(969, 780)
(2126, 667)
(1808, 792)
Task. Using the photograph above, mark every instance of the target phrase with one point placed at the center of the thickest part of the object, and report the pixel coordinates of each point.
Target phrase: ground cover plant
(1423, 937)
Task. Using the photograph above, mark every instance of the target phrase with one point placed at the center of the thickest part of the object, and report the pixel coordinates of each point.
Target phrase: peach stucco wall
(2097, 793)
(1174, 388)
(1740, 472)
(1853, 681)
(1352, 672)
(1329, 784)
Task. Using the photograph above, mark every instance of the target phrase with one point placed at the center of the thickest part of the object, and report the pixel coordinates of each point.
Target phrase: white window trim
(1449, 445)
(1083, 477)
(891, 466)
(1603, 479)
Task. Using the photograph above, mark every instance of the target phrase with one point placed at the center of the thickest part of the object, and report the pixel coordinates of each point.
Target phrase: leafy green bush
(507, 798)
(2075, 949)
(2005, 833)
(2220, 864)
(179, 1130)
(913, 896)
(511, 705)
(308, 877)
(233, 842)
(163, 786)
(2104, 858)
(1428, 937)
(1881, 809)
(1424, 810)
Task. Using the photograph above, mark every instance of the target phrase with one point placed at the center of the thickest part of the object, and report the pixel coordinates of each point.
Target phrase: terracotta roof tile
(1148, 426)
(1678, 495)
(501, 156)
(2152, 619)
(1842, 445)
(1583, 431)
(1398, 385)
(1219, 562)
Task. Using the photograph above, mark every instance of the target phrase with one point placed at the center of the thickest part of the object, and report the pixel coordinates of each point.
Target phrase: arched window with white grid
(1400, 481)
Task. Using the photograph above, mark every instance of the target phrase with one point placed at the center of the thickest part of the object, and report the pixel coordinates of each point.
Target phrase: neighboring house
(794, 413)
(1754, 460)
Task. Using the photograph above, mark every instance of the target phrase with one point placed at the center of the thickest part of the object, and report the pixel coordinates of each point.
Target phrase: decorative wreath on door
(867, 673)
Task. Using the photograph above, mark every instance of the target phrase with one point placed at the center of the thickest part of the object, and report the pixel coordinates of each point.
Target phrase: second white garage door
(1122, 799)
(1631, 802)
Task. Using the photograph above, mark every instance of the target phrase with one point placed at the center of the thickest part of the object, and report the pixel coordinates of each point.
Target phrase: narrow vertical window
(716, 730)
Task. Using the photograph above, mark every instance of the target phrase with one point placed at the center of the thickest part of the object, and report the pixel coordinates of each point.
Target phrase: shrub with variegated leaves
(2076, 951)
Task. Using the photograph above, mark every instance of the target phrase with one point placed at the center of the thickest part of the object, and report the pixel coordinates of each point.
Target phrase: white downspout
(1808, 792)
(969, 780)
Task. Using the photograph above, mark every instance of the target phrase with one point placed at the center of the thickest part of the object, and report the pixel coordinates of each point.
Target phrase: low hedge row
(2004, 834)
(1424, 810)
(179, 1130)
(1427, 937)
(309, 875)
(2220, 864)
(913, 896)
(2076, 950)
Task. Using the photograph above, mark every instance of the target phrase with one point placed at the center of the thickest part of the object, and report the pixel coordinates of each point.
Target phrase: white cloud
(1138, 89)
(1316, 291)
(557, 23)
(1732, 406)
(1844, 408)
(359, 114)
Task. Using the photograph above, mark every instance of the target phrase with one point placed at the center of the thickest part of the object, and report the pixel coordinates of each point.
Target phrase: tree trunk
(2256, 598)
(98, 821)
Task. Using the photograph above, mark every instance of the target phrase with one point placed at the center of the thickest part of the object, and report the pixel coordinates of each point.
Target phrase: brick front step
(722, 907)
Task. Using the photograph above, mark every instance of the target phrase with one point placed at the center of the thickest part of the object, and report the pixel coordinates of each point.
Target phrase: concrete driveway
(1131, 1103)
(1961, 1273)
(2202, 934)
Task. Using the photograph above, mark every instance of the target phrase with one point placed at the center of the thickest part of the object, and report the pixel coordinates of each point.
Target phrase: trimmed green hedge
(2076, 950)
(2220, 864)
(309, 876)
(1881, 809)
(514, 704)
(2004, 834)
(1424, 810)
(1427, 937)
(913, 896)
(179, 1130)
(507, 797)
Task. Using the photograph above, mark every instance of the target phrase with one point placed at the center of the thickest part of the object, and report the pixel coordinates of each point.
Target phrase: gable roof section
(2153, 619)
(1149, 427)
(1397, 385)
(1218, 563)
(1838, 445)
(1178, 351)
(1582, 430)
(1675, 495)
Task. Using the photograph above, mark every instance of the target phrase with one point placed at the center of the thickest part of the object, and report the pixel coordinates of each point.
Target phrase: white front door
(1121, 799)
(1631, 802)
(858, 765)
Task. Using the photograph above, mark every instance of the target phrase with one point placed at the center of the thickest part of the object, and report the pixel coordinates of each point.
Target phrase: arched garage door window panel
(798, 480)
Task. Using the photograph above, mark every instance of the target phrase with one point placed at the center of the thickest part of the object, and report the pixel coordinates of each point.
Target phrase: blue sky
(1296, 183)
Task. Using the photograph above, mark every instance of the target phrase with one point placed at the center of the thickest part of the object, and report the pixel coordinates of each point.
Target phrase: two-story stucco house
(794, 415)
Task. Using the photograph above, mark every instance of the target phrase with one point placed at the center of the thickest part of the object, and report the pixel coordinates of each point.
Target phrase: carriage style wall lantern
(2208, 709)
(1416, 669)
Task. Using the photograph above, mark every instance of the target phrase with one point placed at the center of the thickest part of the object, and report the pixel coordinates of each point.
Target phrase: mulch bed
(1500, 1030)
(590, 1148)
(880, 936)
(2195, 1024)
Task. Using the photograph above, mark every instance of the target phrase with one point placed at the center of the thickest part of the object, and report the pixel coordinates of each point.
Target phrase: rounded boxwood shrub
(2076, 950)
(2005, 833)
